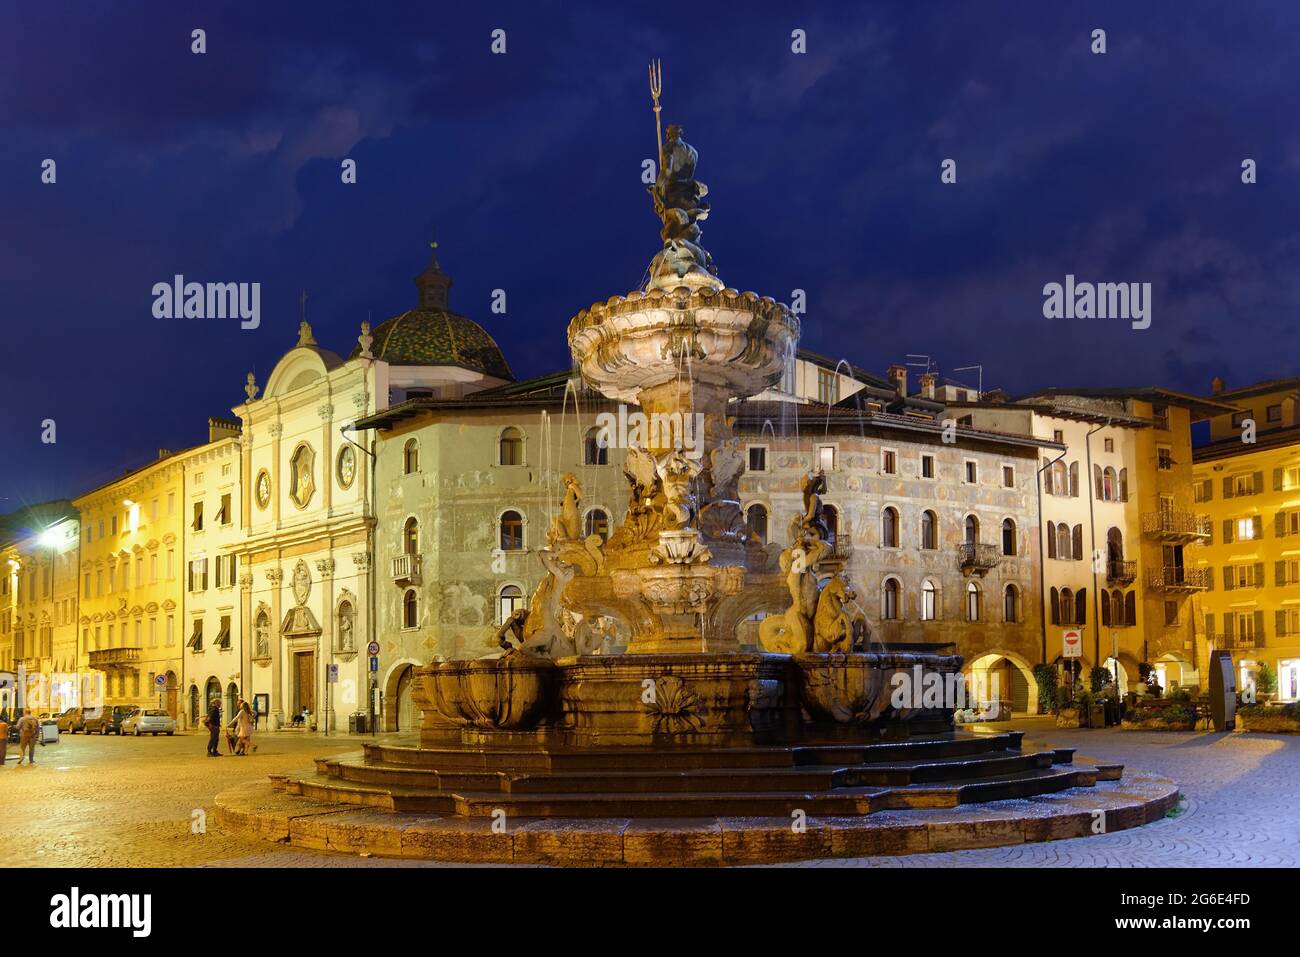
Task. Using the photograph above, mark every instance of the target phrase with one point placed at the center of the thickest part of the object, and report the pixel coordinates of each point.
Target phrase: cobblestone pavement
(140, 802)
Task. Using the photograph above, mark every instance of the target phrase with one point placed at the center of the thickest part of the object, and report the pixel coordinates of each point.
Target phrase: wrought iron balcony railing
(1172, 525)
(1121, 572)
(1178, 578)
(978, 557)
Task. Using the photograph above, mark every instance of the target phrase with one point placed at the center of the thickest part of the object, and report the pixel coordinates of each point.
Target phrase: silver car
(149, 722)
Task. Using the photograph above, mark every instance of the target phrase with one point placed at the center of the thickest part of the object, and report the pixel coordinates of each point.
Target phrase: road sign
(1072, 643)
(160, 681)
(372, 648)
(333, 674)
(374, 664)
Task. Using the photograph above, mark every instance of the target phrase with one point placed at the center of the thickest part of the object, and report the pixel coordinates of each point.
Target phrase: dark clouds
(823, 170)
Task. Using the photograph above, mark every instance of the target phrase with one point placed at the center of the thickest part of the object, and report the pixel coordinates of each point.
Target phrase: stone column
(274, 576)
(325, 568)
(327, 449)
(276, 431)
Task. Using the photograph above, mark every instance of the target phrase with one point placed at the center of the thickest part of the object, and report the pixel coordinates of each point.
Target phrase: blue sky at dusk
(823, 171)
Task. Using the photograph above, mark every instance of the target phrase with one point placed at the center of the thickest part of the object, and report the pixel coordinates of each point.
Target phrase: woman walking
(243, 727)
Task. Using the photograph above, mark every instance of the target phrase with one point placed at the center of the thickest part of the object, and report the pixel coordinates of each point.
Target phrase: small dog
(231, 740)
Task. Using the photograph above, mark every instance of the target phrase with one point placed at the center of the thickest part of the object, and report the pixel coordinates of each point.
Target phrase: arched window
(1051, 539)
(929, 601)
(756, 519)
(512, 447)
(1060, 479)
(889, 600)
(972, 602)
(1067, 607)
(889, 527)
(510, 600)
(410, 609)
(1081, 607)
(512, 531)
(1008, 537)
(831, 515)
(1011, 604)
(598, 523)
(972, 530)
(1108, 489)
(596, 447)
(1064, 549)
(929, 530)
(411, 536)
(411, 457)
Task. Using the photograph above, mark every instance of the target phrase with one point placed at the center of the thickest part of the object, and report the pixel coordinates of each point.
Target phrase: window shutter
(1279, 623)
(1105, 614)
(1081, 606)
(1259, 482)
(1096, 481)
(1209, 623)
(1074, 480)
(1259, 627)
(1228, 578)
(1051, 539)
(1130, 608)
(1277, 480)
(1056, 607)
(1279, 573)
(1208, 494)
(1227, 488)
(1227, 531)
(1257, 525)
(1123, 485)
(1078, 542)
(1229, 620)
(1279, 524)
(1258, 581)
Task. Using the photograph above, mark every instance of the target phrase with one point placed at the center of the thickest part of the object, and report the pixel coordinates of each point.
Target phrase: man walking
(28, 729)
(214, 728)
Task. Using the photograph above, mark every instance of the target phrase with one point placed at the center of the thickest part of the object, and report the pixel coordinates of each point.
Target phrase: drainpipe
(1092, 537)
(1042, 556)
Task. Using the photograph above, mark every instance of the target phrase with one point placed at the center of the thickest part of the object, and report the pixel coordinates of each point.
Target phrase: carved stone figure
(513, 628)
(544, 628)
(839, 625)
(567, 525)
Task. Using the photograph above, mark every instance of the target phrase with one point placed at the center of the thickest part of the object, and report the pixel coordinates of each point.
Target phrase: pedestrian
(243, 727)
(4, 737)
(213, 722)
(28, 730)
(257, 714)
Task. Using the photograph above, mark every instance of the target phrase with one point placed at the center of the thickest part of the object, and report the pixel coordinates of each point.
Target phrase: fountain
(685, 723)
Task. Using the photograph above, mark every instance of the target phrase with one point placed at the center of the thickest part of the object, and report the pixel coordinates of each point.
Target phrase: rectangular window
(757, 458)
(828, 387)
(113, 525)
(1109, 445)
(153, 511)
(223, 635)
(1160, 414)
(927, 466)
(1165, 458)
(826, 458)
(1274, 413)
(1008, 476)
(889, 462)
(223, 514)
(153, 567)
(197, 524)
(171, 563)
(196, 636)
(153, 632)
(171, 630)
(1239, 419)
(1058, 436)
(171, 504)
(972, 472)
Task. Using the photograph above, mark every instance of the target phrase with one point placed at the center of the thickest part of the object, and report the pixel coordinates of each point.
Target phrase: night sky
(823, 171)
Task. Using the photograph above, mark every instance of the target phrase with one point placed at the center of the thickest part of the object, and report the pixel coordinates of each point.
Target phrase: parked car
(72, 721)
(106, 720)
(153, 722)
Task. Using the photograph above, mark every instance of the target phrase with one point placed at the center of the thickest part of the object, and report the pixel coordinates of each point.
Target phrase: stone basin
(508, 694)
(857, 688)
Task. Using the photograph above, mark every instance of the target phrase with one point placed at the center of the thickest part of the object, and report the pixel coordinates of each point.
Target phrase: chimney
(1216, 385)
(222, 429)
(927, 384)
(898, 375)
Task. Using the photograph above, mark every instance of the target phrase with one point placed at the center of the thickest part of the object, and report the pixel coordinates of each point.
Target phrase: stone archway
(400, 710)
(1006, 675)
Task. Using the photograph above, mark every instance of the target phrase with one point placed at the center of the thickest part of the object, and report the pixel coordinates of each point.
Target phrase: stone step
(689, 756)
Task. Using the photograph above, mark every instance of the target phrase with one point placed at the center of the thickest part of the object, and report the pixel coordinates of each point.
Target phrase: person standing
(4, 737)
(243, 726)
(28, 730)
(214, 728)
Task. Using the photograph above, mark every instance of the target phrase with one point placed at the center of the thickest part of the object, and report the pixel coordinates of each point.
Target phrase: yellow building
(133, 583)
(38, 606)
(1248, 480)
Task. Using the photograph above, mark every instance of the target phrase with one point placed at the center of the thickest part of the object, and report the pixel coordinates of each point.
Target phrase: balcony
(110, 659)
(1169, 525)
(1121, 572)
(406, 569)
(1178, 578)
(1234, 642)
(977, 558)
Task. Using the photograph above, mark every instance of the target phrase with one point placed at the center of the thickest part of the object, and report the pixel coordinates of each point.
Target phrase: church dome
(433, 335)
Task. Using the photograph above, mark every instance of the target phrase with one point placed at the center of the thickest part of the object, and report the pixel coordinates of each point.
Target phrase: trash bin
(358, 723)
(49, 731)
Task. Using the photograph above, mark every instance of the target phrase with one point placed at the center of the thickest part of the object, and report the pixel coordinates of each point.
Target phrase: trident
(657, 87)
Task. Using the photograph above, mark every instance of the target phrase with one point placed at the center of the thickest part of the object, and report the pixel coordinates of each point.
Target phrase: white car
(149, 722)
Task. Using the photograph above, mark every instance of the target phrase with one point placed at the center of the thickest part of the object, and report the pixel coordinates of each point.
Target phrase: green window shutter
(1259, 482)
(1279, 524)
(1279, 573)
(1279, 623)
(1209, 623)
(1227, 531)
(1209, 489)
(1277, 480)
(1258, 580)
(1227, 488)
(1257, 524)
(1227, 578)
(1259, 626)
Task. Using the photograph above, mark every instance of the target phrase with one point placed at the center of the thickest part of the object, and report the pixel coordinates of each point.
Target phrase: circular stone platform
(283, 811)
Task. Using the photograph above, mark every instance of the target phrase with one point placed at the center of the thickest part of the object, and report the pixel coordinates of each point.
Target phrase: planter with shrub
(1284, 719)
